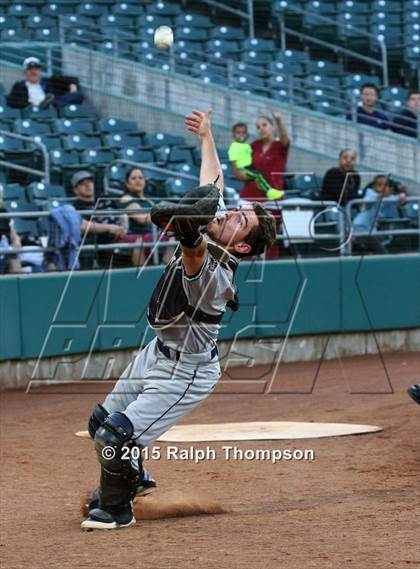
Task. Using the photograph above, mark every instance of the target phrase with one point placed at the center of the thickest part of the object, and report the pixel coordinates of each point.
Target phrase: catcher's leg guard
(99, 414)
(118, 476)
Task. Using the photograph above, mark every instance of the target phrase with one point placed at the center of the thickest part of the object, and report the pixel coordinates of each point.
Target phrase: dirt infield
(352, 506)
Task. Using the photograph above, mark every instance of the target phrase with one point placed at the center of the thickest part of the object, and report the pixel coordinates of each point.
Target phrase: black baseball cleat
(414, 392)
(100, 519)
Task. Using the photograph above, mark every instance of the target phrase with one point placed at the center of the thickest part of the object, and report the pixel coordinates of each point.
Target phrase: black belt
(167, 351)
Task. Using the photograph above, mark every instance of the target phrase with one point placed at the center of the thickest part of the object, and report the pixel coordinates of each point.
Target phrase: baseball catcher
(179, 368)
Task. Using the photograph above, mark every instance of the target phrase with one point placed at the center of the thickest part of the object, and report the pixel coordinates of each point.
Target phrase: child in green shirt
(240, 153)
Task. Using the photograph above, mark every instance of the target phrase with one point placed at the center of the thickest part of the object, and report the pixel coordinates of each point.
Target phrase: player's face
(232, 228)
(136, 181)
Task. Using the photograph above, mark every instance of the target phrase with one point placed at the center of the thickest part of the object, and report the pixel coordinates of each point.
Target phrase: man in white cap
(39, 92)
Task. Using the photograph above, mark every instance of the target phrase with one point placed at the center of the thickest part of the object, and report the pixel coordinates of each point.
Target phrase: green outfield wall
(57, 314)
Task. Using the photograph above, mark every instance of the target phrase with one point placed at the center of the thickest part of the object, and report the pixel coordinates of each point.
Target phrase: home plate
(258, 431)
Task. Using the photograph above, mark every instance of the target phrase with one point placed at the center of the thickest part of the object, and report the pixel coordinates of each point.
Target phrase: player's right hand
(198, 122)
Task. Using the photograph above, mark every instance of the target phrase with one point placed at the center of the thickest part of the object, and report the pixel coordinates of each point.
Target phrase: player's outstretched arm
(198, 122)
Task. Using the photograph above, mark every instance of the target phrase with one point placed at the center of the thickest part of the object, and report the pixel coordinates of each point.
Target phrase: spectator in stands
(8, 238)
(366, 113)
(407, 121)
(384, 198)
(104, 229)
(240, 157)
(139, 224)
(341, 184)
(36, 91)
(269, 156)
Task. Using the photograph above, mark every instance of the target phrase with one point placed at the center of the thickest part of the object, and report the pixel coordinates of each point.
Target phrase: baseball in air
(164, 37)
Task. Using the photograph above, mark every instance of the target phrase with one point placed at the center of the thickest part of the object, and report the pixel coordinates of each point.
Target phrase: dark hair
(130, 171)
(370, 86)
(411, 93)
(239, 125)
(268, 119)
(263, 235)
(346, 150)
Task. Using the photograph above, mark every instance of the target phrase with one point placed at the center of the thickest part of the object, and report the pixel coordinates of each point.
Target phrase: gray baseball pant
(155, 392)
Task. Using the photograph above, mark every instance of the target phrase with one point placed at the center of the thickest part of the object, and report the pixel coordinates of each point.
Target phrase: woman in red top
(269, 156)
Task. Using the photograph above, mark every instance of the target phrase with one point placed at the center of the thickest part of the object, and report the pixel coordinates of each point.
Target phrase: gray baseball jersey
(156, 391)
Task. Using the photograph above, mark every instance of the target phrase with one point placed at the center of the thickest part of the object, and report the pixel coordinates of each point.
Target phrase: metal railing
(340, 240)
(389, 232)
(44, 174)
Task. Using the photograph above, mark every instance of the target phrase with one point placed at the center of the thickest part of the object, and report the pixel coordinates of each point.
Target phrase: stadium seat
(46, 34)
(160, 138)
(114, 125)
(50, 141)
(137, 155)
(257, 44)
(179, 186)
(257, 57)
(224, 46)
(18, 206)
(97, 157)
(192, 34)
(8, 22)
(179, 155)
(55, 9)
(76, 126)
(122, 140)
(249, 84)
(22, 10)
(228, 33)
(116, 21)
(189, 169)
(356, 80)
(9, 144)
(41, 22)
(309, 185)
(126, 9)
(63, 158)
(15, 35)
(29, 127)
(155, 20)
(42, 191)
(36, 113)
(26, 228)
(78, 112)
(92, 9)
(193, 21)
(240, 68)
(13, 192)
(286, 67)
(81, 141)
(164, 9)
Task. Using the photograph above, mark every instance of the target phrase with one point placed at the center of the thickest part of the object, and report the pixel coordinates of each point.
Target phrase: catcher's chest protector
(169, 301)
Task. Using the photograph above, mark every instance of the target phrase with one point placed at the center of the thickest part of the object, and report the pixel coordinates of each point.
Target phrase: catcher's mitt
(198, 207)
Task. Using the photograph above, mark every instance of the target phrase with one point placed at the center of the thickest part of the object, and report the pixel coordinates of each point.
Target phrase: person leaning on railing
(383, 197)
(139, 224)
